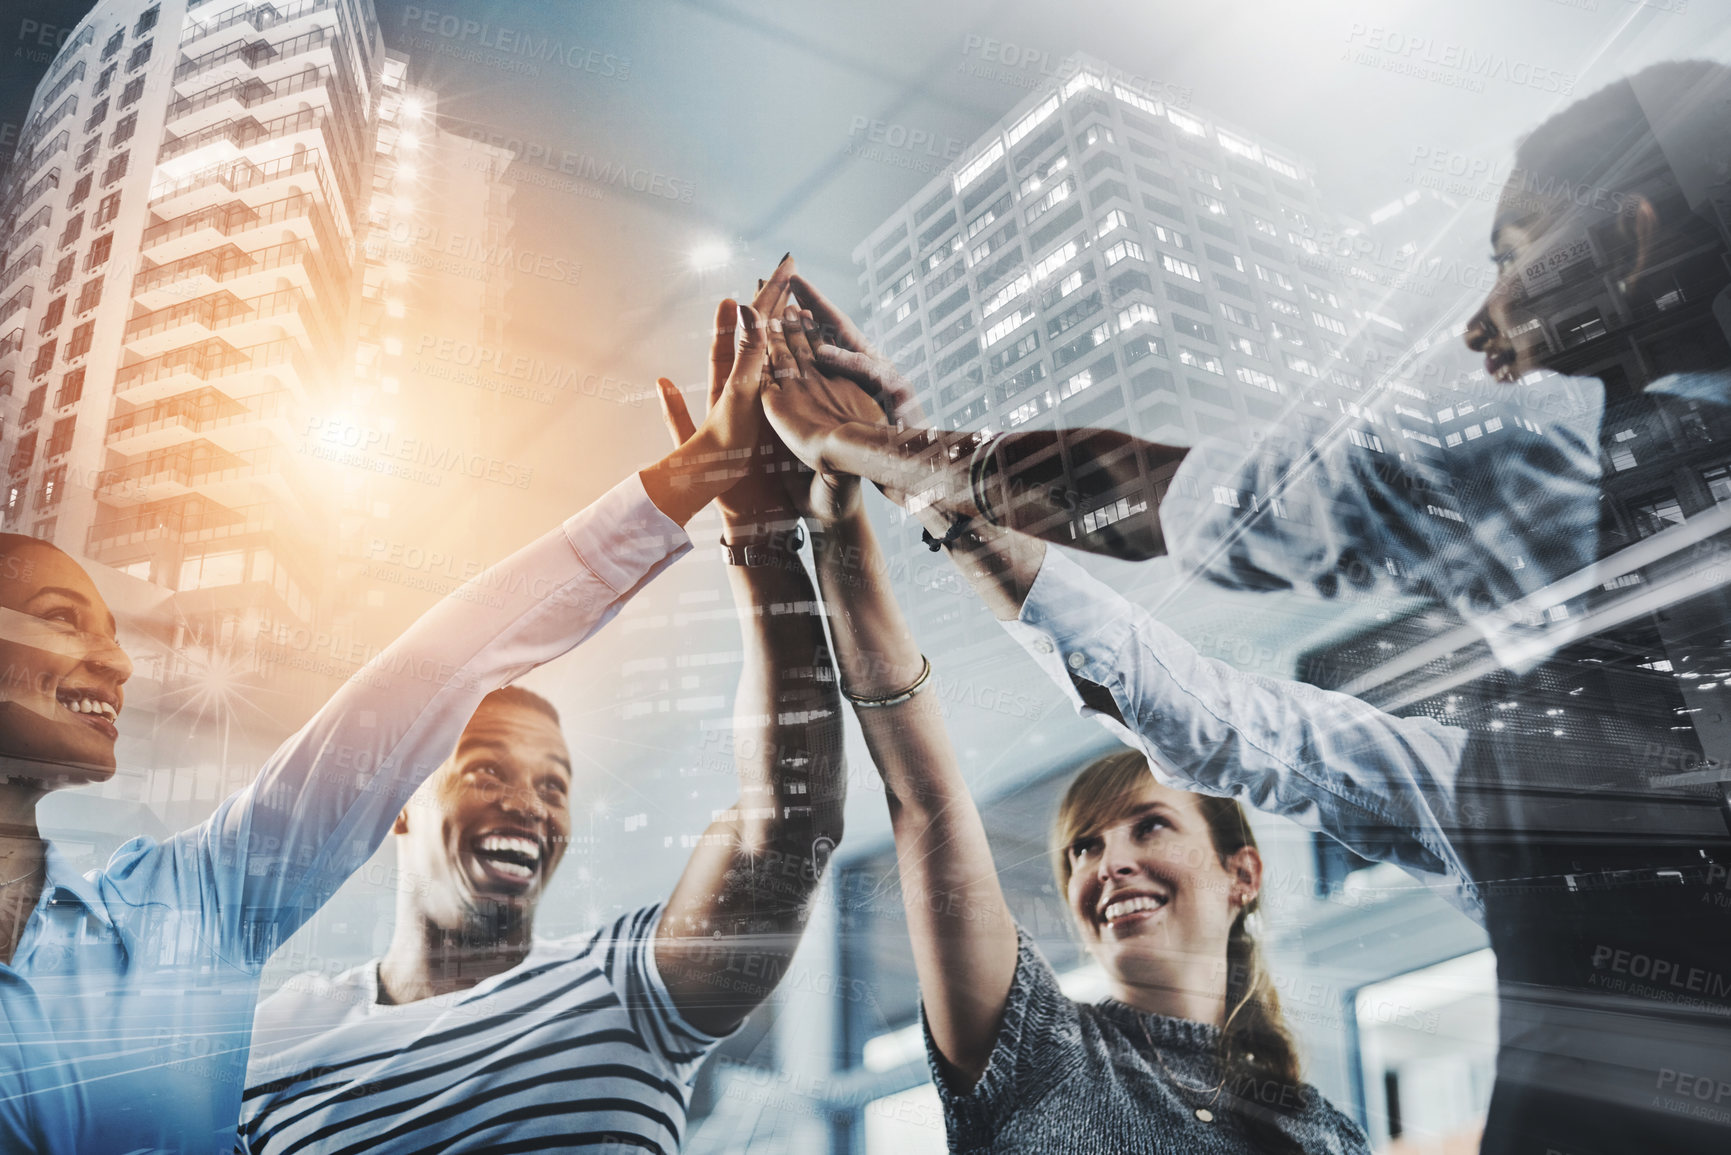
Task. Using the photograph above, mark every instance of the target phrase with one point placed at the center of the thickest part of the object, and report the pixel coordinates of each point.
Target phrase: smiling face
(1148, 889)
(483, 837)
(1535, 244)
(62, 673)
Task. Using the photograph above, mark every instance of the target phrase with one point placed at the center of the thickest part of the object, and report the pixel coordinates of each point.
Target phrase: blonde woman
(1189, 1053)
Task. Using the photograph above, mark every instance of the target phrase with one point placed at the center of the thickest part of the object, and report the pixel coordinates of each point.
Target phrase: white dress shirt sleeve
(1382, 785)
(278, 849)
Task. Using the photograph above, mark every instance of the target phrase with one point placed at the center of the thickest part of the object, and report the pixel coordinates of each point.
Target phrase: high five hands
(773, 483)
(791, 424)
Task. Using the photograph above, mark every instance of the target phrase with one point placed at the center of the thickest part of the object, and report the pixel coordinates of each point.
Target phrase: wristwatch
(777, 549)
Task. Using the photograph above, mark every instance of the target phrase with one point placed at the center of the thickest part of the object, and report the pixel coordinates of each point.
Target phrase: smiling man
(472, 1034)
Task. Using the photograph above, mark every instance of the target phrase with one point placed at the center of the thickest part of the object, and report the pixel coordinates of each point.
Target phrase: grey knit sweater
(1066, 1078)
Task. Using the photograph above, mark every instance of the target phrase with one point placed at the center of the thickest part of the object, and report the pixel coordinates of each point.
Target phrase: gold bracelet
(895, 699)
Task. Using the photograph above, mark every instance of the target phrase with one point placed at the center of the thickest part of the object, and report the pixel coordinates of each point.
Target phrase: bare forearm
(735, 918)
(963, 937)
(787, 715)
(1097, 490)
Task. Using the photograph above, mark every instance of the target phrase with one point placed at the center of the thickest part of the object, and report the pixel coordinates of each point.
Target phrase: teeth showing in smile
(80, 704)
(511, 855)
(1128, 906)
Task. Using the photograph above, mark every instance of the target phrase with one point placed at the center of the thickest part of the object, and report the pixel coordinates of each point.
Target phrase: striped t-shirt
(577, 1046)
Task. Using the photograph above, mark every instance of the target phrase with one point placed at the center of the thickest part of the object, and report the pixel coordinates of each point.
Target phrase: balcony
(191, 521)
(242, 132)
(48, 180)
(168, 328)
(173, 283)
(22, 299)
(197, 365)
(209, 414)
(110, 544)
(206, 228)
(235, 177)
(247, 94)
(259, 17)
(255, 53)
(18, 268)
(224, 478)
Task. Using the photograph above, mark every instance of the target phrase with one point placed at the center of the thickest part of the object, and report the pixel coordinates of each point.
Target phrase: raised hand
(813, 412)
(844, 350)
(711, 460)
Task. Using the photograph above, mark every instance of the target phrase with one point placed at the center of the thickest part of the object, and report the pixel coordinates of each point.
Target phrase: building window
(1193, 328)
(51, 316)
(60, 441)
(44, 358)
(123, 130)
(53, 488)
(71, 232)
(1718, 482)
(80, 190)
(107, 210)
(88, 152)
(113, 45)
(71, 389)
(1207, 362)
(1275, 277)
(1211, 204)
(63, 271)
(97, 115)
(1656, 512)
(1183, 268)
(1123, 250)
(133, 90)
(99, 251)
(1257, 378)
(1247, 347)
(102, 82)
(1185, 297)
(32, 410)
(1137, 314)
(1174, 238)
(21, 459)
(1241, 316)
(116, 168)
(89, 295)
(147, 21)
(139, 55)
(80, 343)
(1324, 321)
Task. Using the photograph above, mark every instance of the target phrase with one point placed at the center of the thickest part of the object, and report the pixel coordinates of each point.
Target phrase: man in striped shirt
(470, 1034)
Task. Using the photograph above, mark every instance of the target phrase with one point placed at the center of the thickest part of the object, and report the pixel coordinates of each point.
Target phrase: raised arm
(1043, 483)
(278, 849)
(963, 937)
(735, 918)
(1388, 787)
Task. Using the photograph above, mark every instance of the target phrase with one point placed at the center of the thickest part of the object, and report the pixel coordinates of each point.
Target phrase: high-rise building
(1101, 258)
(180, 254)
(186, 296)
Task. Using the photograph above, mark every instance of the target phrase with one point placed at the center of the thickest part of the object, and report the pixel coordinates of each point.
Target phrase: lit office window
(1182, 268)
